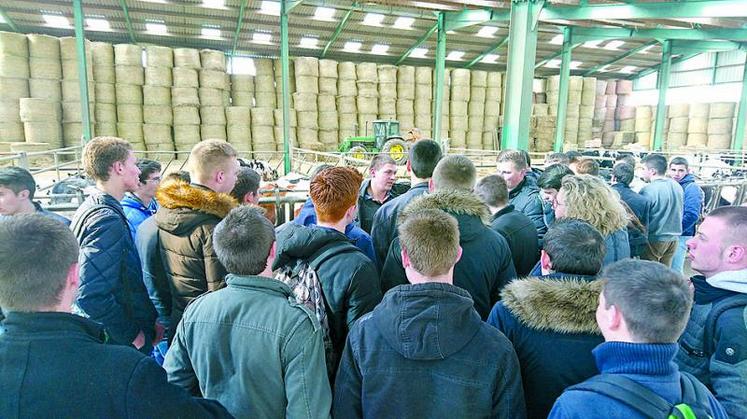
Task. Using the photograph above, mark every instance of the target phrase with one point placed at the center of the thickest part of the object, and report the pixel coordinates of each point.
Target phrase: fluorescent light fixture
(308, 42)
(490, 59)
(325, 13)
(262, 37)
(2, 19)
(352, 46)
(628, 69)
(379, 49)
(213, 4)
(210, 32)
(97, 24)
(157, 28)
(592, 44)
(487, 31)
(57, 21)
(576, 64)
(614, 45)
(557, 39)
(404, 22)
(418, 53)
(270, 8)
(455, 55)
(373, 19)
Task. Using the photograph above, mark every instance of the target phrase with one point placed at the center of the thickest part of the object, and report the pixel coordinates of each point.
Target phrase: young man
(642, 310)
(349, 280)
(556, 158)
(549, 319)
(622, 175)
(637, 183)
(679, 170)
(112, 291)
(486, 265)
(515, 227)
(378, 190)
(249, 345)
(43, 345)
(424, 351)
(141, 204)
(188, 215)
(714, 345)
(549, 184)
(523, 194)
(587, 166)
(424, 156)
(667, 198)
(245, 192)
(17, 188)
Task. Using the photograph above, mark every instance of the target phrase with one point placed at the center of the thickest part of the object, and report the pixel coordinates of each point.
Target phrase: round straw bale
(492, 109)
(697, 125)
(70, 70)
(46, 89)
(624, 87)
(155, 133)
(642, 124)
(106, 128)
(14, 66)
(240, 136)
(600, 114)
(210, 97)
(184, 96)
(131, 131)
(264, 83)
(699, 110)
(11, 131)
(493, 94)
(72, 112)
(722, 110)
(475, 123)
(539, 109)
(588, 97)
(387, 73)
(586, 111)
(238, 115)
(242, 83)
(347, 87)
(601, 87)
(213, 78)
(43, 46)
(14, 44)
(423, 121)
(307, 84)
(476, 108)
(104, 74)
(643, 112)
(346, 104)
(423, 91)
(185, 77)
(696, 139)
(405, 107)
(715, 125)
(263, 116)
(406, 75)
(424, 75)
(571, 124)
(326, 103)
(213, 115)
(155, 95)
(328, 68)
(187, 57)
(213, 132)
(388, 90)
(128, 55)
(102, 54)
(387, 106)
(263, 67)
(241, 98)
(421, 106)
(307, 66)
(45, 68)
(365, 104)
(129, 74)
(328, 121)
(330, 138)
(460, 77)
(155, 114)
(158, 56)
(307, 119)
(267, 99)
(600, 101)
(366, 72)
(679, 124)
(458, 108)
(347, 121)
(367, 88)
(39, 110)
(129, 94)
(105, 112)
(186, 115)
(327, 85)
(459, 93)
(12, 89)
(68, 48)
(715, 141)
(494, 79)
(346, 70)
(611, 101)
(625, 112)
(278, 113)
(679, 110)
(186, 134)
(676, 140)
(213, 60)
(305, 101)
(129, 113)
(627, 125)
(458, 122)
(158, 76)
(264, 134)
(477, 94)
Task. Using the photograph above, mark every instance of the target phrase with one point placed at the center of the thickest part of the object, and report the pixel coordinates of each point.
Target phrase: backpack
(694, 403)
(303, 280)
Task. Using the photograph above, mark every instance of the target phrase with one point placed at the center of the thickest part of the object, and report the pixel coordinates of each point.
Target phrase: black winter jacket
(641, 207)
(525, 199)
(521, 235)
(367, 207)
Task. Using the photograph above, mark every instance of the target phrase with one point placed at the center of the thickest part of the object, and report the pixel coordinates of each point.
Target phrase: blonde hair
(208, 156)
(589, 199)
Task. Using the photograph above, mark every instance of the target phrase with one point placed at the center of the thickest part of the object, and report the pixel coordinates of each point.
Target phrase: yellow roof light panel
(487, 31)
(455, 55)
(404, 22)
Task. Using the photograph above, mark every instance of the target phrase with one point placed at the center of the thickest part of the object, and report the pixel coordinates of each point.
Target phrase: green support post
(440, 70)
(522, 49)
(80, 43)
(236, 33)
(285, 65)
(738, 142)
(565, 75)
(128, 21)
(662, 84)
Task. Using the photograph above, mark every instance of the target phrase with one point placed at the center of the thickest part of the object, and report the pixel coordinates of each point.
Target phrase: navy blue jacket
(111, 291)
(58, 365)
(521, 235)
(525, 198)
(424, 353)
(693, 205)
(154, 272)
(650, 365)
(641, 207)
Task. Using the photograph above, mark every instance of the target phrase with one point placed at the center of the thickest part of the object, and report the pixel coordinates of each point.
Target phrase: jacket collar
(636, 358)
(53, 323)
(295, 242)
(706, 293)
(509, 208)
(515, 191)
(730, 280)
(261, 283)
(454, 202)
(180, 194)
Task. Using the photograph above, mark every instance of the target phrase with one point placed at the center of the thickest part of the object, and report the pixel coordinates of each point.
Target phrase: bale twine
(128, 94)
(266, 99)
(107, 112)
(722, 110)
(213, 115)
(187, 57)
(12, 89)
(717, 141)
(366, 104)
(217, 132)
(43, 46)
(45, 68)
(187, 115)
(213, 60)
(696, 125)
(366, 72)
(210, 97)
(305, 101)
(184, 96)
(213, 78)
(278, 114)
(699, 110)
(326, 103)
(158, 76)
(131, 131)
(154, 95)
(14, 66)
(106, 128)
(715, 125)
(697, 140)
(185, 136)
(129, 113)
(327, 85)
(424, 75)
(624, 87)
(367, 88)
(328, 121)
(387, 73)
(586, 111)
(388, 90)
(155, 114)
(307, 84)
(265, 116)
(240, 115)
(155, 133)
(129, 74)
(46, 89)
(347, 121)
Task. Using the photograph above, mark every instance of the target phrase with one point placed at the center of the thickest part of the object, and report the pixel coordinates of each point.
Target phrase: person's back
(667, 200)
(640, 205)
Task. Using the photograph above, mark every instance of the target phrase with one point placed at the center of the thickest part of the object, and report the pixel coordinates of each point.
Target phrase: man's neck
(377, 194)
(110, 188)
(27, 208)
(416, 277)
(414, 180)
(146, 200)
(339, 226)
(210, 185)
(657, 177)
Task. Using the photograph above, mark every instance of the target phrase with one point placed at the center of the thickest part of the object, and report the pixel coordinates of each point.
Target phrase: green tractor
(386, 138)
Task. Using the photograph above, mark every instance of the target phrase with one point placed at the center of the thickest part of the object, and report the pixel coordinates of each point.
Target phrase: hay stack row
(72, 114)
(265, 103)
(213, 94)
(41, 112)
(422, 104)
(14, 85)
(104, 74)
(158, 116)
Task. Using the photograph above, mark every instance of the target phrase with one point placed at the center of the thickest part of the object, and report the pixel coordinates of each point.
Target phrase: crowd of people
(525, 293)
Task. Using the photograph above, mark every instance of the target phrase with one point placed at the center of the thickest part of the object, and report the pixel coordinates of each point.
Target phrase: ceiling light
(57, 21)
(270, 8)
(592, 44)
(404, 22)
(487, 31)
(308, 42)
(628, 69)
(156, 28)
(213, 4)
(576, 64)
(2, 19)
(455, 55)
(613, 45)
(97, 24)
(490, 59)
(373, 19)
(557, 39)
(379, 49)
(262, 37)
(324, 13)
(210, 32)
(419, 52)
(352, 46)
(552, 64)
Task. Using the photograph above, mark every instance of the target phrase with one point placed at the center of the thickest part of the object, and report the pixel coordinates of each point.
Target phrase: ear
(613, 317)
(545, 262)
(219, 176)
(405, 258)
(117, 168)
(350, 213)
(736, 254)
(24, 194)
(273, 250)
(459, 255)
(409, 166)
(431, 187)
(73, 279)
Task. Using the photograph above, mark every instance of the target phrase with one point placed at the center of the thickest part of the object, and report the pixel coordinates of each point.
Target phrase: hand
(139, 341)
(160, 331)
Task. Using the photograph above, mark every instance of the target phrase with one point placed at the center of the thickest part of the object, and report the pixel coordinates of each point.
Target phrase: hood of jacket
(295, 241)
(688, 179)
(184, 205)
(466, 207)
(564, 305)
(730, 280)
(427, 321)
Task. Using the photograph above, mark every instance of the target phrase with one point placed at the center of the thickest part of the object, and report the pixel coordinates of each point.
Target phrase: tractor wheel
(397, 150)
(357, 152)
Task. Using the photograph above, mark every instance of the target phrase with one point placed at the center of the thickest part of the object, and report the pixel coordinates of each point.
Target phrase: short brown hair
(333, 191)
(492, 190)
(587, 166)
(208, 156)
(380, 160)
(431, 239)
(514, 156)
(36, 253)
(100, 154)
(243, 240)
(454, 172)
(247, 180)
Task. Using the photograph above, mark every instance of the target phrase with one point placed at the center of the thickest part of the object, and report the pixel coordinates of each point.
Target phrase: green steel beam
(618, 58)
(292, 5)
(418, 43)
(714, 75)
(285, 81)
(667, 10)
(656, 67)
(128, 21)
(440, 71)
(552, 57)
(522, 50)
(486, 52)
(8, 20)
(663, 86)
(594, 34)
(80, 43)
(238, 27)
(565, 75)
(685, 47)
(464, 18)
(738, 142)
(338, 30)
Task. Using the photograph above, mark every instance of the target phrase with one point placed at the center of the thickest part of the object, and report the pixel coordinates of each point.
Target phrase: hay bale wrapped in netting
(158, 76)
(264, 116)
(307, 119)
(158, 56)
(43, 46)
(184, 96)
(366, 72)
(106, 112)
(367, 104)
(476, 108)
(187, 57)
(307, 84)
(45, 68)
(187, 115)
(625, 112)
(264, 84)
(239, 115)
(239, 98)
(715, 125)
(39, 110)
(387, 73)
(214, 79)
(722, 110)
(387, 106)
(696, 140)
(477, 94)
(12, 89)
(367, 88)
(387, 90)
(156, 133)
(129, 113)
(424, 75)
(43, 132)
(262, 134)
(423, 91)
(678, 110)
(263, 67)
(627, 125)
(328, 68)
(326, 103)
(327, 85)
(128, 55)
(217, 132)
(185, 136)
(129, 74)
(129, 94)
(154, 95)
(212, 115)
(715, 141)
(624, 87)
(278, 113)
(72, 112)
(458, 108)
(328, 121)
(306, 66)
(305, 101)
(346, 70)
(346, 104)
(366, 118)
(642, 124)
(13, 44)
(131, 131)
(697, 125)
(405, 107)
(347, 121)
(155, 114)
(475, 123)
(586, 111)
(242, 83)
(422, 106)
(347, 87)
(210, 97)
(13, 66)
(213, 60)
(185, 77)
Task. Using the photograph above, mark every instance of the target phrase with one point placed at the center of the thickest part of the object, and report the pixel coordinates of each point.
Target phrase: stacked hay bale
(493, 98)
(697, 125)
(158, 116)
(263, 119)
(329, 123)
(446, 106)
(242, 90)
(42, 114)
(542, 128)
(130, 76)
(624, 114)
(600, 111)
(213, 92)
(279, 100)
(644, 117)
(105, 107)
(367, 100)
(347, 107)
(185, 100)
(387, 88)
(72, 115)
(476, 109)
(278, 73)
(14, 84)
(292, 127)
(239, 127)
(720, 125)
(42, 121)
(459, 107)
(586, 110)
(575, 89)
(610, 102)
(306, 103)
(265, 95)
(406, 97)
(422, 105)
(677, 122)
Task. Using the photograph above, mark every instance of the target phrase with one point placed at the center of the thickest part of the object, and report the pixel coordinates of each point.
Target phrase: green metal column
(440, 69)
(522, 48)
(738, 142)
(286, 84)
(80, 42)
(662, 85)
(565, 75)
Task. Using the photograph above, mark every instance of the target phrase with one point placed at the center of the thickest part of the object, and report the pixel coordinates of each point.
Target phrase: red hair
(333, 191)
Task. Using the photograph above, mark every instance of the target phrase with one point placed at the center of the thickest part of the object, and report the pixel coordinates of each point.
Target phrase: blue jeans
(678, 261)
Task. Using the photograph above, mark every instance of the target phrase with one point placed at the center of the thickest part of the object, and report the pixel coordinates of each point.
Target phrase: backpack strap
(329, 250)
(694, 397)
(719, 308)
(628, 392)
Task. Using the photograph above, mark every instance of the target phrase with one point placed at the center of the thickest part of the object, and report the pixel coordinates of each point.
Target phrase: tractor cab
(383, 130)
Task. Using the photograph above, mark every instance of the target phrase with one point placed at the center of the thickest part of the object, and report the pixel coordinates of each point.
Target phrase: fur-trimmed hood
(471, 213)
(183, 205)
(564, 305)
